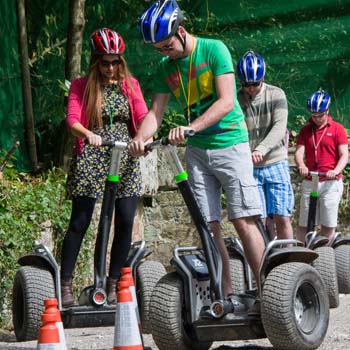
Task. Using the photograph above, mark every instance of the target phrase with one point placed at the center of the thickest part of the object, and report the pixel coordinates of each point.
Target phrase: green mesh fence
(305, 45)
(11, 107)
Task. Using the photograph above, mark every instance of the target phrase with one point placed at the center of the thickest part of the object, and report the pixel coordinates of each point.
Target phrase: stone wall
(163, 219)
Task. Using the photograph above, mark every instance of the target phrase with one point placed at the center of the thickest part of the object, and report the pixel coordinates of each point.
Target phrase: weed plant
(26, 202)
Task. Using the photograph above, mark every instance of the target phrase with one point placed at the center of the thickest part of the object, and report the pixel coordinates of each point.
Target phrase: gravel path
(338, 336)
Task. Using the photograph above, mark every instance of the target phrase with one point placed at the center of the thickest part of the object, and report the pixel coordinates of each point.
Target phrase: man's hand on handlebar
(177, 135)
(303, 170)
(137, 147)
(331, 175)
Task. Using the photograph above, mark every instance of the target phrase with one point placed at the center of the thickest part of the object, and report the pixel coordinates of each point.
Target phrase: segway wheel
(342, 260)
(294, 307)
(32, 285)
(326, 266)
(170, 330)
(148, 274)
(237, 275)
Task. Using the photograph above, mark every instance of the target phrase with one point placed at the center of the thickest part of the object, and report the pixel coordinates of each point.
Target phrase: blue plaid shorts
(275, 188)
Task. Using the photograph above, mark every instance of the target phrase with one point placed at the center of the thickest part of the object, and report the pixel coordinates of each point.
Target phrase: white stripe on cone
(63, 345)
(134, 299)
(52, 346)
(126, 327)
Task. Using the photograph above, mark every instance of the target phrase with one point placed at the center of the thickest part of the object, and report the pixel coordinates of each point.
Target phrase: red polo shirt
(327, 139)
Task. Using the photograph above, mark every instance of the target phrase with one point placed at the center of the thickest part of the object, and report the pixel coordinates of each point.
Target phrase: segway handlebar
(164, 141)
(117, 144)
(316, 173)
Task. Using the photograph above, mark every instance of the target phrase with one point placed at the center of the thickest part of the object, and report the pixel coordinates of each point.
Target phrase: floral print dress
(89, 169)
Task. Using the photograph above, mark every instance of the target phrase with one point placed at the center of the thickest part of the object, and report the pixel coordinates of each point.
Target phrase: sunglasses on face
(106, 63)
(255, 84)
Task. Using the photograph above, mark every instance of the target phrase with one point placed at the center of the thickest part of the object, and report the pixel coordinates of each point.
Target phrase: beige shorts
(226, 169)
(329, 196)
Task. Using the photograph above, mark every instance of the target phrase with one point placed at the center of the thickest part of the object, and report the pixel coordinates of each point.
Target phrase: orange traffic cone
(127, 334)
(48, 334)
(51, 308)
(126, 275)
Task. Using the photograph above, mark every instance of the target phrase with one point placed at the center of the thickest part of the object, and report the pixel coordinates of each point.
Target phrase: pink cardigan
(76, 112)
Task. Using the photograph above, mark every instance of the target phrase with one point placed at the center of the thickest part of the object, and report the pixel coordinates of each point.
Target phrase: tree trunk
(75, 38)
(75, 33)
(26, 85)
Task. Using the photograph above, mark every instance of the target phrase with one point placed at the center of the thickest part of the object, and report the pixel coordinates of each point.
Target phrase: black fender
(340, 241)
(318, 241)
(39, 260)
(41, 257)
(279, 256)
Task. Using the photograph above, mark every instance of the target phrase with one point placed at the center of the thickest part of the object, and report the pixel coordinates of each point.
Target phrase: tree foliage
(298, 41)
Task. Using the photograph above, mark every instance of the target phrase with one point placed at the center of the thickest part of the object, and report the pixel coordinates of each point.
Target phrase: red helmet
(107, 42)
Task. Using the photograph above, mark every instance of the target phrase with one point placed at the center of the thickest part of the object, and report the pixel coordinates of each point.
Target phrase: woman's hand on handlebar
(177, 135)
(93, 139)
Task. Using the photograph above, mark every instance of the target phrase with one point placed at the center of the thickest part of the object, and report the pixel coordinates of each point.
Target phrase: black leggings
(82, 210)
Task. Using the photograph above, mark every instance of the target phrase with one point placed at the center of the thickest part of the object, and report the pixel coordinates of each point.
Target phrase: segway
(188, 309)
(334, 257)
(38, 278)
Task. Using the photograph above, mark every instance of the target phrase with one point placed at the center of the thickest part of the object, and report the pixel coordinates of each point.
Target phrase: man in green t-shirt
(199, 73)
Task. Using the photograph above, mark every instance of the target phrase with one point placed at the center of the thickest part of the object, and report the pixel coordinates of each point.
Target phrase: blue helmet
(318, 102)
(251, 67)
(160, 21)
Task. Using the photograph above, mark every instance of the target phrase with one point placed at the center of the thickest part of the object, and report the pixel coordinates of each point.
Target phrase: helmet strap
(182, 41)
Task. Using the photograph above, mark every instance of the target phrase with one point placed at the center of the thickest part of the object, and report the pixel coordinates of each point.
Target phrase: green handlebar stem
(181, 177)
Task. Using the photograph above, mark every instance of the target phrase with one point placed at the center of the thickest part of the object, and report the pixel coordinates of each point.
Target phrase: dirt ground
(338, 336)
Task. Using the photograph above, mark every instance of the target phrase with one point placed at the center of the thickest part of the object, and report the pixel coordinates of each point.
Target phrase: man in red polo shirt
(322, 146)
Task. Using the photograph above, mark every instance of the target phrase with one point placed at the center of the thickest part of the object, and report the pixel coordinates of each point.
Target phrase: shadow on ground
(6, 336)
(244, 347)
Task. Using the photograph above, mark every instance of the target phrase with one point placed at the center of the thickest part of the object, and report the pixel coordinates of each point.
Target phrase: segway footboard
(88, 316)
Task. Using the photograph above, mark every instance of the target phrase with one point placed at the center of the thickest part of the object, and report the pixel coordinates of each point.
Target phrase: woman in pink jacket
(106, 104)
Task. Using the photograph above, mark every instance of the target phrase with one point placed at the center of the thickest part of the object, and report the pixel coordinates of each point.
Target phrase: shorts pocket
(340, 187)
(250, 195)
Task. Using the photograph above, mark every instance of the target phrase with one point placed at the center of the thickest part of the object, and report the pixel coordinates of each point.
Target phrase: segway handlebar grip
(104, 143)
(108, 143)
(164, 141)
(116, 144)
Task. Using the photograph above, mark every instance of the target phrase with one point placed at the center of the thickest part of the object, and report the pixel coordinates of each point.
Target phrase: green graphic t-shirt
(210, 58)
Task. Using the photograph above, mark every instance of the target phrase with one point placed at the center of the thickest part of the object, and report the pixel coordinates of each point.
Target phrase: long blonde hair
(93, 98)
